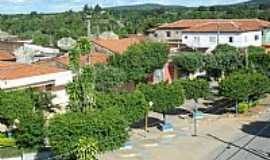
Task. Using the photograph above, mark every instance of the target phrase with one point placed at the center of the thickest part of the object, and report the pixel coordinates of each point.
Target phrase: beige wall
(161, 35)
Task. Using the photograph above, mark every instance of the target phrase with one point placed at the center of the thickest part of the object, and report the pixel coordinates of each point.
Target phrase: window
(197, 40)
(176, 32)
(257, 37)
(49, 87)
(212, 39)
(156, 35)
(231, 39)
(186, 37)
(168, 33)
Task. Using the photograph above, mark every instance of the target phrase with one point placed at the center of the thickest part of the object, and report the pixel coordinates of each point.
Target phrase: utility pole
(218, 33)
(88, 20)
(246, 58)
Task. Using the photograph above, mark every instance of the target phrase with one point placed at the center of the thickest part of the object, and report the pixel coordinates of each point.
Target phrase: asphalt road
(252, 144)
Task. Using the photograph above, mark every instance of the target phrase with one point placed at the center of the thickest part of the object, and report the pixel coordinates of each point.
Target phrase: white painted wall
(59, 79)
(240, 40)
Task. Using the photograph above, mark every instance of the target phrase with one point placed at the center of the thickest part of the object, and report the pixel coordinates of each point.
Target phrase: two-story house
(208, 33)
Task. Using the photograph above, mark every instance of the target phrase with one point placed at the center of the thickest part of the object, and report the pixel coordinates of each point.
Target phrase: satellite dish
(66, 43)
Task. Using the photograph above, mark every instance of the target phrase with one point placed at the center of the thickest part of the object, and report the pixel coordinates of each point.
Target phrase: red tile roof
(5, 56)
(12, 70)
(214, 25)
(118, 46)
(94, 58)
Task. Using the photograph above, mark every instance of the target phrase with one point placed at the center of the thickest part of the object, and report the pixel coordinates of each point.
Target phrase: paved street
(220, 138)
(251, 144)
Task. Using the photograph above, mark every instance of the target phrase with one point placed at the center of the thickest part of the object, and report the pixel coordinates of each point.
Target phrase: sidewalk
(180, 144)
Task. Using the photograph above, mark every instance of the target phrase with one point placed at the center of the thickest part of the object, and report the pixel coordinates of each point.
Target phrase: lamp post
(195, 110)
(146, 116)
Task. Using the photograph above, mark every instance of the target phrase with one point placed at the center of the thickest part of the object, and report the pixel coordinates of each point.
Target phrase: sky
(46, 6)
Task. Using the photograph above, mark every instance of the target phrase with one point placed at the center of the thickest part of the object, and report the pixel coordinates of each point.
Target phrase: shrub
(7, 142)
(107, 127)
(243, 107)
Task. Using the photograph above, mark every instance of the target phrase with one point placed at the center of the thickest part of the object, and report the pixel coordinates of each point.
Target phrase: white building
(208, 33)
(15, 76)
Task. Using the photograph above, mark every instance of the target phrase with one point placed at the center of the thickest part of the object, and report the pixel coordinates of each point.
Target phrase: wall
(161, 35)
(59, 80)
(240, 40)
(10, 46)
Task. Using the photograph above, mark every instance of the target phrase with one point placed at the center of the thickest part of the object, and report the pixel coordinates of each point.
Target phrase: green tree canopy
(244, 85)
(226, 48)
(82, 91)
(141, 59)
(108, 77)
(164, 97)
(19, 105)
(256, 50)
(189, 61)
(260, 62)
(107, 128)
(194, 89)
(131, 105)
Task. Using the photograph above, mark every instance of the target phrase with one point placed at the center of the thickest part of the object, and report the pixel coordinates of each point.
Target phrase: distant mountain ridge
(257, 2)
(154, 6)
(149, 6)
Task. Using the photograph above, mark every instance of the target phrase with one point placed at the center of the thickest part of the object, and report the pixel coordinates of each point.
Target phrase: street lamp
(195, 110)
(146, 116)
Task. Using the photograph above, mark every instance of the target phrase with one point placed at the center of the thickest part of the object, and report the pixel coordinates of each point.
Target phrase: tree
(18, 106)
(41, 39)
(97, 8)
(109, 77)
(141, 59)
(226, 48)
(224, 61)
(15, 105)
(131, 105)
(84, 45)
(164, 97)
(243, 86)
(194, 89)
(256, 50)
(82, 90)
(190, 62)
(260, 62)
(107, 127)
(30, 132)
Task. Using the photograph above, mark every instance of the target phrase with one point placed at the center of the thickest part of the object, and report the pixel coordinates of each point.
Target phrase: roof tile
(12, 70)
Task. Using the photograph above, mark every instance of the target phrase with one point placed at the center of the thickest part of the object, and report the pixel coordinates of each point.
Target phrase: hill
(257, 2)
(146, 7)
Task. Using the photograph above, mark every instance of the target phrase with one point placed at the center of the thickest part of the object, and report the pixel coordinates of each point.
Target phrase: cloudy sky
(26, 6)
